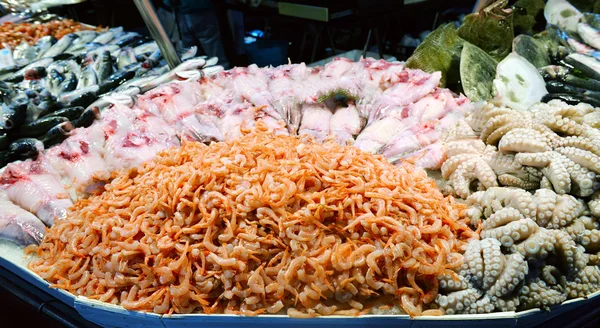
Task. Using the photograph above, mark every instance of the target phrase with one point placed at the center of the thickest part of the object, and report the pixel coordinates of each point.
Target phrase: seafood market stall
(460, 187)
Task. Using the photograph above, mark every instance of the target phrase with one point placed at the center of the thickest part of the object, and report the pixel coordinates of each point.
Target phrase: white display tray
(108, 315)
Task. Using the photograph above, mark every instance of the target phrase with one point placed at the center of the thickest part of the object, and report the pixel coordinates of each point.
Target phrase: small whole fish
(103, 66)
(124, 37)
(53, 81)
(24, 53)
(87, 77)
(12, 116)
(148, 47)
(105, 37)
(589, 35)
(60, 46)
(69, 84)
(126, 57)
(43, 45)
(68, 97)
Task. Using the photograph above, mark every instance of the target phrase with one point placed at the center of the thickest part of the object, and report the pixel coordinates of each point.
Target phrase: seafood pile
(55, 85)
(527, 163)
(536, 251)
(14, 34)
(263, 223)
(550, 146)
(575, 74)
(487, 58)
(398, 112)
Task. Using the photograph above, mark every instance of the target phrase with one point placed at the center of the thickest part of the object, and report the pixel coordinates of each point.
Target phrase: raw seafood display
(405, 104)
(54, 86)
(536, 251)
(14, 34)
(261, 224)
(256, 191)
(549, 146)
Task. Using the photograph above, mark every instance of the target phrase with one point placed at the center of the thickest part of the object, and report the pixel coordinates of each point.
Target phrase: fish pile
(54, 85)
(575, 74)
(14, 34)
(389, 109)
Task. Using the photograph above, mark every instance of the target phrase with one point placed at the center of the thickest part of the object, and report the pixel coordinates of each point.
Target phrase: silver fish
(146, 48)
(124, 97)
(105, 37)
(589, 35)
(188, 65)
(44, 62)
(87, 78)
(103, 65)
(67, 97)
(60, 46)
(590, 66)
(44, 44)
(108, 47)
(24, 53)
(126, 57)
(123, 36)
(83, 38)
(116, 30)
(53, 81)
(137, 82)
(189, 53)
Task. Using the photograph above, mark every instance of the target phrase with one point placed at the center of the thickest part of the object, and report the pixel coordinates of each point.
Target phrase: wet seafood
(532, 253)
(280, 261)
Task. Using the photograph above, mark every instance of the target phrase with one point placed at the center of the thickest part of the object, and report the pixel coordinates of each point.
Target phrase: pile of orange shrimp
(12, 34)
(261, 224)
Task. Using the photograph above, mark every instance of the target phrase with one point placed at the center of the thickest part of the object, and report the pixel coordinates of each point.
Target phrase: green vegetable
(491, 29)
(440, 51)
(477, 72)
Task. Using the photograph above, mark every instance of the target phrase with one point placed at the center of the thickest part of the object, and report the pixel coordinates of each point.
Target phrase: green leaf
(477, 72)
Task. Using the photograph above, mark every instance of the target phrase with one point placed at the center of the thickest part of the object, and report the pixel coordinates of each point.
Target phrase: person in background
(199, 26)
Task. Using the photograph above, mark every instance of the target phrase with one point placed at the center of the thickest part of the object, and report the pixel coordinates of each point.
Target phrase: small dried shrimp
(261, 224)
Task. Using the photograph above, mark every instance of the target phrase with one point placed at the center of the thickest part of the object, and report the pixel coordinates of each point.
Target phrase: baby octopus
(537, 250)
(552, 147)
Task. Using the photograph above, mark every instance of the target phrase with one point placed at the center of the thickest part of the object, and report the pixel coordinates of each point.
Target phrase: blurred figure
(167, 18)
(199, 26)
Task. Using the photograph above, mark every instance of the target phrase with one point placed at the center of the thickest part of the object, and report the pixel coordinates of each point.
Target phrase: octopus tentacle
(459, 301)
(537, 294)
(582, 157)
(513, 274)
(585, 282)
(493, 260)
(469, 171)
(523, 140)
